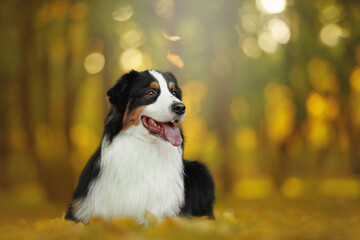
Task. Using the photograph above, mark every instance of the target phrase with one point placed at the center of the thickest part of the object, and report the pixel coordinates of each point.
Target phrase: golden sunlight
(94, 62)
(320, 133)
(267, 42)
(330, 34)
(280, 112)
(355, 79)
(271, 6)
(131, 59)
(279, 30)
(316, 105)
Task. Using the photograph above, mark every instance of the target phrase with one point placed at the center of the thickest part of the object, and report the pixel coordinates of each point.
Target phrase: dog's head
(148, 104)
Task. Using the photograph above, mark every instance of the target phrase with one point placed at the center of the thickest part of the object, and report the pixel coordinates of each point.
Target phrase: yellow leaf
(151, 219)
(175, 60)
(171, 38)
(96, 220)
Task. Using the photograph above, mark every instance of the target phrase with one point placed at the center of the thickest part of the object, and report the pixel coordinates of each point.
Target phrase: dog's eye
(173, 91)
(151, 93)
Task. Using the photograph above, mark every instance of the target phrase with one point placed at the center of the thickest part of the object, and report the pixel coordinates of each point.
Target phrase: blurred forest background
(272, 89)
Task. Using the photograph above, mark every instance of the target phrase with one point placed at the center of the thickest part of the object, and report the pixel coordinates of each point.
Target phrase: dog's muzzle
(178, 108)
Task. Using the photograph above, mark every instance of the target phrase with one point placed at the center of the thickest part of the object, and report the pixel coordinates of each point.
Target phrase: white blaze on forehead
(160, 78)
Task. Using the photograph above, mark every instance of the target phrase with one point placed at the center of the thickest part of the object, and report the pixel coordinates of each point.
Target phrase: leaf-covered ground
(261, 219)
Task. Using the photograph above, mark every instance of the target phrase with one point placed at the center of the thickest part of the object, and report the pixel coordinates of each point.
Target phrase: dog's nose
(178, 108)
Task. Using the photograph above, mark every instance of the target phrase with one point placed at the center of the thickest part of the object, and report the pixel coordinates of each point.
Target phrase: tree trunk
(4, 148)
(55, 176)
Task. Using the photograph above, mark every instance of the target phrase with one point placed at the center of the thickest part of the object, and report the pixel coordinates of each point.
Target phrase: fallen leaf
(96, 220)
(175, 60)
(171, 38)
(151, 219)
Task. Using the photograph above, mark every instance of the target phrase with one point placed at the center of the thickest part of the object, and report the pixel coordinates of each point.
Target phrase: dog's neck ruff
(136, 175)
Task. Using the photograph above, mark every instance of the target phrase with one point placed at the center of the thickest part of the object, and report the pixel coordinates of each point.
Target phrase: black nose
(178, 108)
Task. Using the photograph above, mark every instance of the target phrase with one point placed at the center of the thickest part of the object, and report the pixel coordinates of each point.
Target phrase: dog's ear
(118, 95)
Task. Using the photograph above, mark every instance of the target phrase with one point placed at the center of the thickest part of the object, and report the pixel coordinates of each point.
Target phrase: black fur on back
(199, 190)
(89, 173)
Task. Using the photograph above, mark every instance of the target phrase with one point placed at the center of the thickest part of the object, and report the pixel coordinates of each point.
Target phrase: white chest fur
(135, 176)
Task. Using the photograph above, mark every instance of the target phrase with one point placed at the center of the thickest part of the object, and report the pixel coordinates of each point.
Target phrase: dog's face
(148, 104)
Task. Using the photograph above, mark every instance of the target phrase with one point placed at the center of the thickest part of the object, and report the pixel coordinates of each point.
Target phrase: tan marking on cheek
(126, 113)
(171, 85)
(178, 125)
(133, 119)
(154, 85)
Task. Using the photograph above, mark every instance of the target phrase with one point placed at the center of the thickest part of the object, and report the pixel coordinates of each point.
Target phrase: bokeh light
(340, 188)
(319, 134)
(254, 188)
(332, 14)
(246, 139)
(94, 62)
(249, 22)
(355, 79)
(267, 42)
(279, 112)
(271, 6)
(279, 30)
(131, 59)
(331, 34)
(133, 38)
(250, 47)
(322, 75)
(316, 105)
(164, 8)
(123, 13)
(322, 107)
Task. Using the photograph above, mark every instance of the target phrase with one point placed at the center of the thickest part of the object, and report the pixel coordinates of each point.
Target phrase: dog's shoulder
(199, 190)
(89, 173)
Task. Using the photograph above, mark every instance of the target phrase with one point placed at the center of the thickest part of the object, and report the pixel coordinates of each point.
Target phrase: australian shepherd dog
(139, 165)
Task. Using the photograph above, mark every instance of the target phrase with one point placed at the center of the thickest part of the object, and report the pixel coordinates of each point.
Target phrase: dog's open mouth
(166, 130)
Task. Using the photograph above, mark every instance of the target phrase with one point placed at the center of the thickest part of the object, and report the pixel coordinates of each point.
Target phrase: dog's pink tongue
(172, 134)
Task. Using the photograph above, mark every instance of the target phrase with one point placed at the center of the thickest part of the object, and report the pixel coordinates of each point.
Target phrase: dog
(139, 165)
